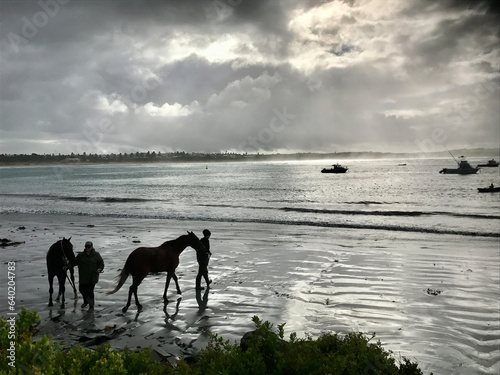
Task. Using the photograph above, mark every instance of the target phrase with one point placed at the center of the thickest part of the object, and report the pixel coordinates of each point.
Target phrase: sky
(248, 76)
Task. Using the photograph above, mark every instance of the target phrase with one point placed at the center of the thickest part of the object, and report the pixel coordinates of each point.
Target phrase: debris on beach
(434, 292)
(4, 242)
(93, 340)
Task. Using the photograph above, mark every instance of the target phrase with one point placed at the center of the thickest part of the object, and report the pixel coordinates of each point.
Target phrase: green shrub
(266, 353)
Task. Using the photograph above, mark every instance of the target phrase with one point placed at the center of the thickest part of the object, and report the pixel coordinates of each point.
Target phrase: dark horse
(60, 257)
(145, 260)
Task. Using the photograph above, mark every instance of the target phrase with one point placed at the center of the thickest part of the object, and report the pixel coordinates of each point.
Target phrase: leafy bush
(269, 353)
(265, 352)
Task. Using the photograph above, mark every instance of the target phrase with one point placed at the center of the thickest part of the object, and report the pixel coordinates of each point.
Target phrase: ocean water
(373, 194)
(373, 242)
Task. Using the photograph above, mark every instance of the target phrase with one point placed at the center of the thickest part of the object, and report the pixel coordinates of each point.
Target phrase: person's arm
(100, 266)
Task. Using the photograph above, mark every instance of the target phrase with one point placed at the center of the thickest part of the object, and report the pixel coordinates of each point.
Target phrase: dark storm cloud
(122, 76)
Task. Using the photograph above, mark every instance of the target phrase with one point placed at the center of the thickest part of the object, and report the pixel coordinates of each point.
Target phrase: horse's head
(195, 242)
(67, 247)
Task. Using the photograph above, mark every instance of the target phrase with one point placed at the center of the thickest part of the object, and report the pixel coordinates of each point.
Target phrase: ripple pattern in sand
(427, 304)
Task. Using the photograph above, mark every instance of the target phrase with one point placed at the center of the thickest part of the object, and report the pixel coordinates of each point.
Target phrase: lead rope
(66, 262)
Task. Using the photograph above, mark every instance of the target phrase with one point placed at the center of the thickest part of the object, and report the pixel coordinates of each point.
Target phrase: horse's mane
(178, 239)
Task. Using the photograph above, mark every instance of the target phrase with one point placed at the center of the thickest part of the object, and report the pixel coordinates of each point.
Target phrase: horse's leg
(58, 298)
(72, 276)
(139, 306)
(136, 280)
(174, 276)
(62, 287)
(171, 275)
(130, 291)
(167, 283)
(51, 289)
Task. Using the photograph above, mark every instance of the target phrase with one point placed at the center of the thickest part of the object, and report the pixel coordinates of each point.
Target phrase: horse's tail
(121, 278)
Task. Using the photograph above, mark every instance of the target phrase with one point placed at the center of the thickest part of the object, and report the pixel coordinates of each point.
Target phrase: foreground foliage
(266, 352)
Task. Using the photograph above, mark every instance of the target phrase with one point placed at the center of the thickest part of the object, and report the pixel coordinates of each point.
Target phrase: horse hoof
(139, 308)
(179, 292)
(124, 310)
(51, 304)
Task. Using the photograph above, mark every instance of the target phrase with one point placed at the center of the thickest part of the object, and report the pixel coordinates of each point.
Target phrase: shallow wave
(389, 213)
(81, 198)
(352, 212)
(361, 212)
(177, 216)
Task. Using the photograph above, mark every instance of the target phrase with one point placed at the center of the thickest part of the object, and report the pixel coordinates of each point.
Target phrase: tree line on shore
(182, 156)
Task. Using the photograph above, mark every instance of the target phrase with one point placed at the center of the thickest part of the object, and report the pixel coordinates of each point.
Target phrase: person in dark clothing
(203, 257)
(90, 265)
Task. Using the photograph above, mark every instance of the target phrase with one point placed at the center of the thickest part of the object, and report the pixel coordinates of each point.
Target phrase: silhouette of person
(203, 258)
(90, 265)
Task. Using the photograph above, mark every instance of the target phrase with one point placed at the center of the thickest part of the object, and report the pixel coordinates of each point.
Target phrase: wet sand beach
(431, 298)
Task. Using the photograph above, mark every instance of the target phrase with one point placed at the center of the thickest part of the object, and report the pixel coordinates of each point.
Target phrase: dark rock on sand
(4, 242)
(434, 292)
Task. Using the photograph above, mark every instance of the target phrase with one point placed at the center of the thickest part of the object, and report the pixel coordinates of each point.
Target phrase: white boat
(463, 168)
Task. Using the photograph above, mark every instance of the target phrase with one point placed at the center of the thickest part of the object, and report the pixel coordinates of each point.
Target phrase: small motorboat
(489, 189)
(490, 163)
(337, 168)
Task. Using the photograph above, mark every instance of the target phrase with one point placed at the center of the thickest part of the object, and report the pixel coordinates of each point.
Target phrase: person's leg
(91, 295)
(205, 276)
(85, 294)
(202, 272)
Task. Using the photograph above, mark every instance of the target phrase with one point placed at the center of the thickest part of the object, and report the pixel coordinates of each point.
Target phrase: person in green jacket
(90, 265)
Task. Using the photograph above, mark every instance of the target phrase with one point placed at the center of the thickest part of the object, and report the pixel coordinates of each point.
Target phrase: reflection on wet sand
(165, 310)
(202, 302)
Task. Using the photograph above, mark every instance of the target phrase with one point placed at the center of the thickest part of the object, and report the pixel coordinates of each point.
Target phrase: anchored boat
(337, 168)
(463, 168)
(490, 163)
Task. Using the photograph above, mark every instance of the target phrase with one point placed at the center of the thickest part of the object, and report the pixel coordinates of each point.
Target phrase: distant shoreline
(195, 157)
